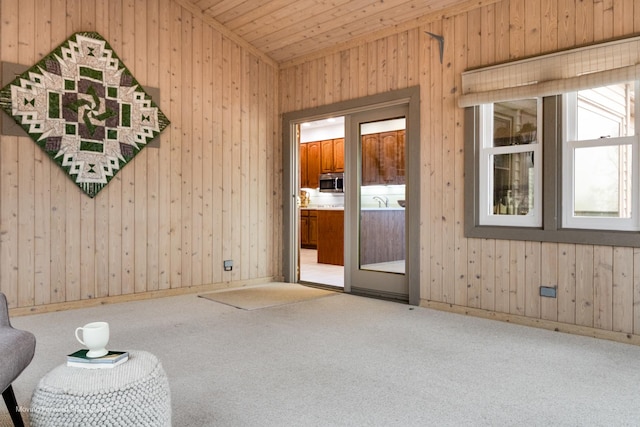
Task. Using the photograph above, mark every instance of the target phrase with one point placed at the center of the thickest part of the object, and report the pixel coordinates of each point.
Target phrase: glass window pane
(606, 112)
(603, 183)
(513, 183)
(515, 122)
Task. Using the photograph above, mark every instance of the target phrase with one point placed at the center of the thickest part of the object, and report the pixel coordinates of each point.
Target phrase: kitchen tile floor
(325, 274)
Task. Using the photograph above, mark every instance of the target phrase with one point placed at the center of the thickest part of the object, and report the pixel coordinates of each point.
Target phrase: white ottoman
(135, 393)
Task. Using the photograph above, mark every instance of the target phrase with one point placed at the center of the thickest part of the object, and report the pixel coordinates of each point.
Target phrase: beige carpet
(269, 295)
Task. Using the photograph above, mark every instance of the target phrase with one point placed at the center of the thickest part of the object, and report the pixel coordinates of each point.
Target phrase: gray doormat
(269, 295)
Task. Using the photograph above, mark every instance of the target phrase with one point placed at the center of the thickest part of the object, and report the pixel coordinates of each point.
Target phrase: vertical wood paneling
(26, 174)
(460, 272)
(212, 188)
(114, 189)
(176, 133)
(448, 165)
(603, 287)
(549, 277)
(72, 202)
(128, 172)
(566, 23)
(584, 285)
(532, 279)
(153, 158)
(236, 162)
(186, 148)
(218, 162)
(517, 278)
(597, 286)
(141, 172)
(87, 212)
(42, 203)
(161, 221)
(9, 170)
(164, 155)
(208, 124)
(197, 196)
(622, 293)
(566, 283)
(436, 166)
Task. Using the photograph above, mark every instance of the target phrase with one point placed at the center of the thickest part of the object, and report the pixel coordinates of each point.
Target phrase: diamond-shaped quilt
(83, 107)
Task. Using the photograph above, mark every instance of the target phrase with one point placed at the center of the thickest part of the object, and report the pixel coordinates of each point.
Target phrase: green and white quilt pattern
(83, 107)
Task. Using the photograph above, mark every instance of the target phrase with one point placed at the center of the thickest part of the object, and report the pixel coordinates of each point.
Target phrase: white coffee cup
(95, 336)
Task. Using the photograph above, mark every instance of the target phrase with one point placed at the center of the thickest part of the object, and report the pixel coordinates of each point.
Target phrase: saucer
(96, 353)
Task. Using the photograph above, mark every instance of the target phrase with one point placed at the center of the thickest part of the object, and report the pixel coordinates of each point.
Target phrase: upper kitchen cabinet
(383, 161)
(332, 155)
(310, 164)
(320, 157)
(338, 155)
(326, 156)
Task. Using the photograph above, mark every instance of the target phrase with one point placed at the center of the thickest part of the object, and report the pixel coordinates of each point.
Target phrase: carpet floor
(346, 360)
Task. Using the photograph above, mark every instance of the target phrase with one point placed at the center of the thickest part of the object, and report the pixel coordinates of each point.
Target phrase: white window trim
(486, 215)
(569, 145)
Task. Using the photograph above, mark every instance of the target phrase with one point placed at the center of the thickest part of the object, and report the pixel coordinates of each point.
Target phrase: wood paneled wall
(598, 287)
(168, 220)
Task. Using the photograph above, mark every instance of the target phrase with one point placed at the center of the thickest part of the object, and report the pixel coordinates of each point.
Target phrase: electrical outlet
(548, 291)
(228, 265)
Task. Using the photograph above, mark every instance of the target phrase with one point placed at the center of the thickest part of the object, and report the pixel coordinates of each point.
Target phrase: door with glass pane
(375, 203)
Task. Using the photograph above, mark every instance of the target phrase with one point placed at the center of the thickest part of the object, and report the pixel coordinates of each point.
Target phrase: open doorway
(321, 172)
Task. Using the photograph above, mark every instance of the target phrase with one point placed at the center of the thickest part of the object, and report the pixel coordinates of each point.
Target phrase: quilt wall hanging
(84, 108)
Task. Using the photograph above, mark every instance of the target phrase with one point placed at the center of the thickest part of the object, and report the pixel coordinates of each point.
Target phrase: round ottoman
(135, 393)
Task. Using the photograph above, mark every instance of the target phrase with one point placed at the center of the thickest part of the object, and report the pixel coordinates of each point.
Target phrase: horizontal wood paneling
(598, 286)
(169, 218)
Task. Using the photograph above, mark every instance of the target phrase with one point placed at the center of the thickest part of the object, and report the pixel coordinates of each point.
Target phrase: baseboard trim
(535, 323)
(161, 293)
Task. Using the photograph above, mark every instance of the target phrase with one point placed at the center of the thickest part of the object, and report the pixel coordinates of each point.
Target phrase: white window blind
(552, 74)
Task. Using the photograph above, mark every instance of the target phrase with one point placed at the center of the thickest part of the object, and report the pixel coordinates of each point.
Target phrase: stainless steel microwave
(332, 183)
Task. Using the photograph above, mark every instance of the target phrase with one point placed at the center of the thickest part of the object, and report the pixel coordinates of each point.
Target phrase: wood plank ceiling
(286, 29)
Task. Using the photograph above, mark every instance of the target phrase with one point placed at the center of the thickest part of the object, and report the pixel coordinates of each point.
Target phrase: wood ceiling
(287, 29)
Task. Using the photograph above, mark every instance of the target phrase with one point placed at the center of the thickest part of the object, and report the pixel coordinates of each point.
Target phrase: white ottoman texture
(135, 393)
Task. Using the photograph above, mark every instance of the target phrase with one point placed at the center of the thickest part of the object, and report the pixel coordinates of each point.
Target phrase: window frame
(551, 229)
(487, 150)
(571, 143)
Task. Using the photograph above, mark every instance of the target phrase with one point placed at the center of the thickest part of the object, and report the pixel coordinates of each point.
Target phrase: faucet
(381, 201)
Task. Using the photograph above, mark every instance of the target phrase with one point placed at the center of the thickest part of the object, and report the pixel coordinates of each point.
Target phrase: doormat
(269, 295)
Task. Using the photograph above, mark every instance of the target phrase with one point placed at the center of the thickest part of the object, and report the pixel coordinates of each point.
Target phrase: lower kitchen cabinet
(309, 228)
(331, 237)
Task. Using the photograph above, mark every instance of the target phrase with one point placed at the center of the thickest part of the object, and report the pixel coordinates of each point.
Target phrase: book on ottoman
(79, 359)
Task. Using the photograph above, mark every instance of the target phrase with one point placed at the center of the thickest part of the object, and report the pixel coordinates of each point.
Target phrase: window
(600, 159)
(576, 177)
(582, 168)
(510, 164)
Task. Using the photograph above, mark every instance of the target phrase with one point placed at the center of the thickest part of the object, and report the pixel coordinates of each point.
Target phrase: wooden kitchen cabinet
(338, 155)
(331, 237)
(370, 159)
(383, 161)
(320, 157)
(310, 164)
(326, 156)
(309, 228)
(332, 154)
